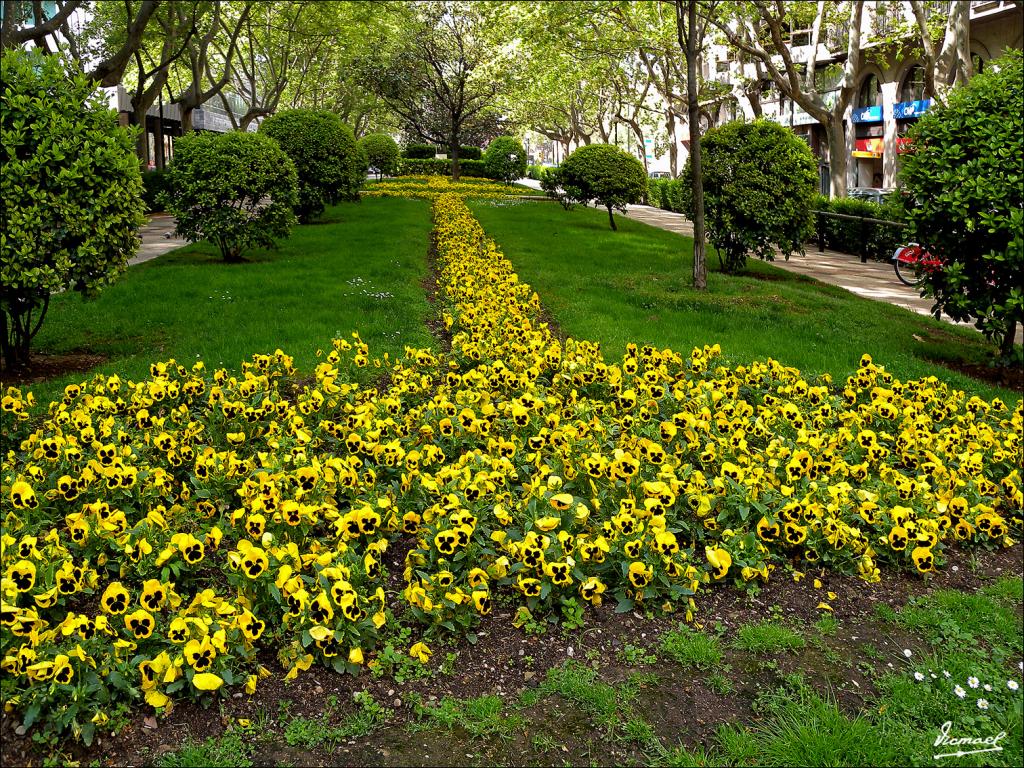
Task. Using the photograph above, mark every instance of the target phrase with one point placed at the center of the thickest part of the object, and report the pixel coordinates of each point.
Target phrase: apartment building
(889, 95)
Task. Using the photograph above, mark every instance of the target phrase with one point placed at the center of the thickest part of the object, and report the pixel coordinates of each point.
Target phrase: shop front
(869, 146)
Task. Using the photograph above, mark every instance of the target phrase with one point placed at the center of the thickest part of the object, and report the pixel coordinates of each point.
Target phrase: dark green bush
(602, 173)
(656, 192)
(71, 201)
(419, 151)
(154, 183)
(381, 153)
(237, 190)
(759, 183)
(669, 194)
(534, 172)
(877, 241)
(434, 167)
(471, 153)
(964, 176)
(505, 159)
(472, 168)
(330, 164)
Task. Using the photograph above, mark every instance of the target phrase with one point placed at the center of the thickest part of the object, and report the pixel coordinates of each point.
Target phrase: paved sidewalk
(154, 238)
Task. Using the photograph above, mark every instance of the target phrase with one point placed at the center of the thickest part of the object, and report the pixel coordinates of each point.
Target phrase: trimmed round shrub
(381, 153)
(759, 187)
(601, 173)
(329, 163)
(964, 177)
(237, 190)
(71, 201)
(505, 159)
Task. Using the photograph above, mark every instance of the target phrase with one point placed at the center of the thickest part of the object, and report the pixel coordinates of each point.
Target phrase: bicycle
(911, 261)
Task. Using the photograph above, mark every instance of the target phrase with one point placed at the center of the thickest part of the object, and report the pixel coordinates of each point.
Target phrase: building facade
(890, 91)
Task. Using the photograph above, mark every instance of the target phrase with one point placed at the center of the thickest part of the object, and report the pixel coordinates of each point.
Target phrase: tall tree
(759, 28)
(951, 64)
(103, 47)
(440, 77)
(691, 25)
(206, 72)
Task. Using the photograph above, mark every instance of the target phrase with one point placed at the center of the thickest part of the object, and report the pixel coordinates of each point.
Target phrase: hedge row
(427, 152)
(878, 240)
(668, 194)
(433, 167)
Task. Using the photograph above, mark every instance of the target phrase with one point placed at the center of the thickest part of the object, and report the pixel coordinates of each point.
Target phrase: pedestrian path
(157, 238)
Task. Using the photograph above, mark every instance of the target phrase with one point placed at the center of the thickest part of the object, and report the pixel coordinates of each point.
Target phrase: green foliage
(419, 151)
(668, 194)
(381, 153)
(71, 201)
(601, 173)
(218, 184)
(329, 163)
(964, 177)
(470, 153)
(311, 733)
(154, 184)
(811, 730)
(759, 183)
(226, 751)
(878, 241)
(480, 717)
(691, 648)
(767, 638)
(535, 172)
(505, 159)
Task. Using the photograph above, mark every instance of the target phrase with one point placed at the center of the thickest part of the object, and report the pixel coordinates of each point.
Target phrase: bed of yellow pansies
(196, 531)
(429, 187)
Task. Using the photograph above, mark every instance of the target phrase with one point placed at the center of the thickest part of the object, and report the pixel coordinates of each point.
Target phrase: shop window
(870, 93)
(913, 84)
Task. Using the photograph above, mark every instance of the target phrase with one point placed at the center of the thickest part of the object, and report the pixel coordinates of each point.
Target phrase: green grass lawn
(634, 285)
(360, 268)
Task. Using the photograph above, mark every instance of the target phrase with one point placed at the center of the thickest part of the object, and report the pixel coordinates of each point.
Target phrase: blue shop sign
(907, 109)
(868, 115)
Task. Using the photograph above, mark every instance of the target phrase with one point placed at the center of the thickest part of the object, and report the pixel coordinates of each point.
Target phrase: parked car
(873, 194)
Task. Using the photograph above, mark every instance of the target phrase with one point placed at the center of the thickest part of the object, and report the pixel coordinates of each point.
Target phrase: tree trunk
(611, 218)
(455, 158)
(186, 119)
(692, 50)
(673, 143)
(1006, 347)
(837, 159)
(141, 138)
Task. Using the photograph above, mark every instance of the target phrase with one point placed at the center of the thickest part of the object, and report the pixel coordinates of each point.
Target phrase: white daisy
(987, 687)
(907, 652)
(982, 703)
(960, 692)
(934, 676)
(1012, 685)
(946, 674)
(972, 681)
(919, 676)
